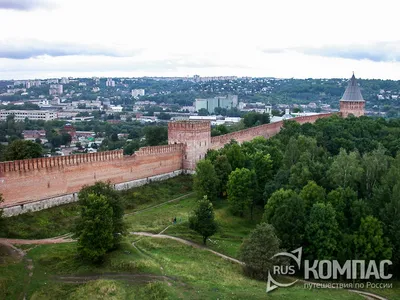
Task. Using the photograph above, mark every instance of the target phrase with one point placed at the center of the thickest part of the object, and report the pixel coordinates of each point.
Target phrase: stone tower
(352, 101)
(195, 135)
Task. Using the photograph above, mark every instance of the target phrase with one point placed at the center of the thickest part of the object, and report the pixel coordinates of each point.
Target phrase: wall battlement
(189, 125)
(154, 150)
(27, 165)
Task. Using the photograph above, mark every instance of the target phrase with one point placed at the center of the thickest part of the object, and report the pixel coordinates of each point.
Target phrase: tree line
(331, 187)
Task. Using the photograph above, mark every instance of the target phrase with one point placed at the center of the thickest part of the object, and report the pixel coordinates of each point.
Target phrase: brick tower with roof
(352, 102)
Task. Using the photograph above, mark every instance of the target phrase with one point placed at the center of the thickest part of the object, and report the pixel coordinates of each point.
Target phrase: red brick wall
(266, 130)
(33, 179)
(355, 108)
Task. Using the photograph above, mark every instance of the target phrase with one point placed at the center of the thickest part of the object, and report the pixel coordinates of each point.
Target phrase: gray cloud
(25, 5)
(30, 49)
(377, 52)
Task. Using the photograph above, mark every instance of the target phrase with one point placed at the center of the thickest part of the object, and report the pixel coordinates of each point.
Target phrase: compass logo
(272, 284)
(327, 269)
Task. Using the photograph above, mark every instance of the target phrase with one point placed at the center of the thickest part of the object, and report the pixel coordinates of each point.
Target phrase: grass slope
(152, 268)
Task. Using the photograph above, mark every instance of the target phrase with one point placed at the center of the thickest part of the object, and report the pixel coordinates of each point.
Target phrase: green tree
(375, 164)
(391, 219)
(341, 200)
(262, 166)
(113, 199)
(321, 232)
(94, 229)
(20, 149)
(222, 169)
(258, 249)
(203, 112)
(205, 181)
(202, 219)
(235, 155)
(370, 244)
(285, 211)
(66, 138)
(241, 191)
(312, 193)
(346, 169)
(156, 135)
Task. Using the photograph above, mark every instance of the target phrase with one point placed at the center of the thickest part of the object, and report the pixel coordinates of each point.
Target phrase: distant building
(110, 82)
(210, 104)
(352, 102)
(136, 93)
(21, 115)
(64, 80)
(34, 134)
(56, 89)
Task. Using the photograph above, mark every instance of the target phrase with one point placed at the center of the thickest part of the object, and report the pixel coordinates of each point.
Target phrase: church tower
(352, 102)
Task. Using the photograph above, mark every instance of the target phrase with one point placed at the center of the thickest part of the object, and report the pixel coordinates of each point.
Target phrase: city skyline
(48, 39)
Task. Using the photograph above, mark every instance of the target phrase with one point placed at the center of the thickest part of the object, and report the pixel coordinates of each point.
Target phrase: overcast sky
(278, 38)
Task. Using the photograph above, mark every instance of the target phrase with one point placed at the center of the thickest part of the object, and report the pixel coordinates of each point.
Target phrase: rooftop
(352, 92)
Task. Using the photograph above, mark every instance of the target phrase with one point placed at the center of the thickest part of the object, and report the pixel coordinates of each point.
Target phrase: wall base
(69, 198)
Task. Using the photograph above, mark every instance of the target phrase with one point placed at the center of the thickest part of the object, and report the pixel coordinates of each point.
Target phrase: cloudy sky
(285, 38)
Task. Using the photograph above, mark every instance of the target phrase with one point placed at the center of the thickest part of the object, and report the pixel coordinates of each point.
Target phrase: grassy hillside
(148, 267)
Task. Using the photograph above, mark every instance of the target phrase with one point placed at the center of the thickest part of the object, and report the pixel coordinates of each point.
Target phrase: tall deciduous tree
(155, 135)
(113, 199)
(20, 149)
(222, 169)
(369, 241)
(321, 232)
(285, 211)
(202, 219)
(391, 219)
(235, 155)
(205, 181)
(375, 164)
(94, 229)
(258, 249)
(341, 200)
(312, 193)
(262, 165)
(346, 169)
(241, 185)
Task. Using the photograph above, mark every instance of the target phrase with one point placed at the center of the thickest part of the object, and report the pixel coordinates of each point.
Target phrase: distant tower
(196, 135)
(352, 102)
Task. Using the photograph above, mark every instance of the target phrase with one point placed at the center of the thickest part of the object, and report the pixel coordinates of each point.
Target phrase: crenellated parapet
(156, 150)
(58, 161)
(198, 126)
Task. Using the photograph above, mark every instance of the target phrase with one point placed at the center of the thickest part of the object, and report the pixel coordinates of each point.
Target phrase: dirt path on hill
(56, 240)
(123, 276)
(186, 242)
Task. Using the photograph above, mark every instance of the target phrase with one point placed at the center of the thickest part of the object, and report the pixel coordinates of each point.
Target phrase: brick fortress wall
(266, 130)
(35, 179)
(57, 179)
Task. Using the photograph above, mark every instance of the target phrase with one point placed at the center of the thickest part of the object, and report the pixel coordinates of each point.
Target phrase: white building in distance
(56, 89)
(110, 82)
(21, 115)
(136, 93)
